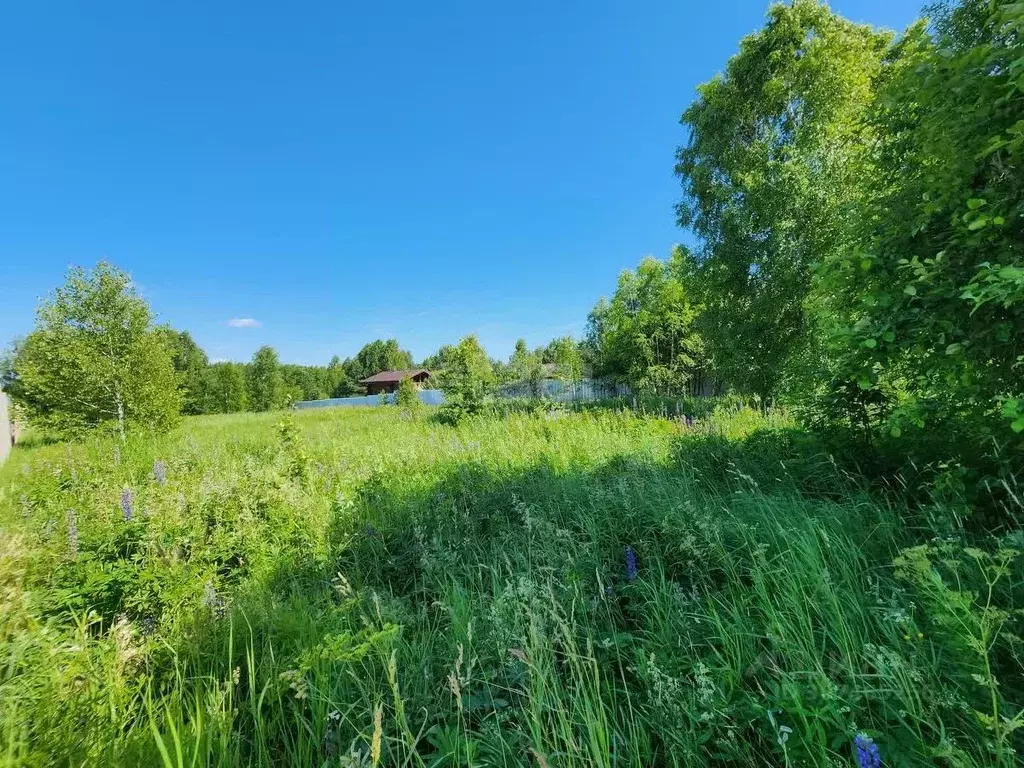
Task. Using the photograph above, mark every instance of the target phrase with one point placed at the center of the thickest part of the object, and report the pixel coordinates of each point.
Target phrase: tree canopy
(645, 335)
(95, 358)
(265, 384)
(767, 177)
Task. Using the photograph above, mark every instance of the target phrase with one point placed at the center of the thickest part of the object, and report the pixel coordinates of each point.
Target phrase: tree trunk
(120, 414)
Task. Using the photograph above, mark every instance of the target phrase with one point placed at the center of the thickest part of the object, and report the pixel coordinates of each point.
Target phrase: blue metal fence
(427, 396)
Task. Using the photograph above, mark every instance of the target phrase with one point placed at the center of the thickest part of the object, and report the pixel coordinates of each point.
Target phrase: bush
(408, 397)
(467, 381)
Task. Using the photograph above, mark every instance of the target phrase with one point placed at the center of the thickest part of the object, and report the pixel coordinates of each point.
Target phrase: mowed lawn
(365, 586)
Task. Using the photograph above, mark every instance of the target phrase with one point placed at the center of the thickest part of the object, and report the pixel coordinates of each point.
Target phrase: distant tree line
(97, 358)
(265, 383)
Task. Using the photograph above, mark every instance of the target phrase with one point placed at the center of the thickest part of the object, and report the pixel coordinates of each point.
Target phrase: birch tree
(95, 358)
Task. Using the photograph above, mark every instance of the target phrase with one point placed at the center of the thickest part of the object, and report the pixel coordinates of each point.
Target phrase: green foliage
(526, 367)
(338, 379)
(190, 363)
(521, 360)
(646, 334)
(439, 360)
(974, 625)
(408, 396)
(928, 302)
(224, 388)
(467, 381)
(264, 382)
(767, 179)
(95, 358)
(859, 204)
(308, 382)
(354, 585)
(567, 359)
(379, 356)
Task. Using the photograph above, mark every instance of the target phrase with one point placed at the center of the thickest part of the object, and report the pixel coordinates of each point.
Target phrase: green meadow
(366, 586)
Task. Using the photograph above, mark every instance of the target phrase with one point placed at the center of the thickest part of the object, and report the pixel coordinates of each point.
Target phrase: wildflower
(867, 752)
(631, 567)
(72, 534)
(127, 504)
(160, 472)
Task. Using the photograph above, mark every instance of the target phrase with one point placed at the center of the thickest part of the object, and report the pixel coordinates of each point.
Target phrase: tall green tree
(439, 359)
(224, 388)
(190, 363)
(520, 359)
(768, 179)
(265, 384)
(646, 335)
(95, 358)
(525, 367)
(306, 382)
(927, 304)
(467, 380)
(567, 358)
(380, 355)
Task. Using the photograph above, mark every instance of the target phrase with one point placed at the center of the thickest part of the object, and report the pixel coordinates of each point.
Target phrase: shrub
(408, 397)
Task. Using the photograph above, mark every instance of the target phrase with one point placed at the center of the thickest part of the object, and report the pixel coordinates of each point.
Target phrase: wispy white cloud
(243, 322)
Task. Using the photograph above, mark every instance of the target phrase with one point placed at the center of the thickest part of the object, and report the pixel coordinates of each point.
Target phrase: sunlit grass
(357, 587)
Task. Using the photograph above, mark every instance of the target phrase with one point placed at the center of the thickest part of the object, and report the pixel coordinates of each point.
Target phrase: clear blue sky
(342, 171)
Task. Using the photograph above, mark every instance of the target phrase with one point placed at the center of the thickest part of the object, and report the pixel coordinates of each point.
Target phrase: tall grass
(358, 587)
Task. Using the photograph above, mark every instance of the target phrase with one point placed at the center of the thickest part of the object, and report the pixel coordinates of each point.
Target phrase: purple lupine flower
(867, 752)
(160, 472)
(631, 567)
(72, 534)
(127, 504)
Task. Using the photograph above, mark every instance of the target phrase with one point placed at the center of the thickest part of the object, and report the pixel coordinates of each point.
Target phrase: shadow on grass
(483, 565)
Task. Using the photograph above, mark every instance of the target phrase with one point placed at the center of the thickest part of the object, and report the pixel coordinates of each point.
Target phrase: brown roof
(385, 377)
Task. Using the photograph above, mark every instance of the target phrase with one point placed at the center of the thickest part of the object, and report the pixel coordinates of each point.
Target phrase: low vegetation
(599, 588)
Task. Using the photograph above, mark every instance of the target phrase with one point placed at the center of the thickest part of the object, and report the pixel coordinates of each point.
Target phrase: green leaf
(910, 290)
(865, 264)
(952, 349)
(863, 382)
(895, 431)
(999, 221)
(870, 343)
(1018, 425)
(978, 223)
(975, 203)
(889, 336)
